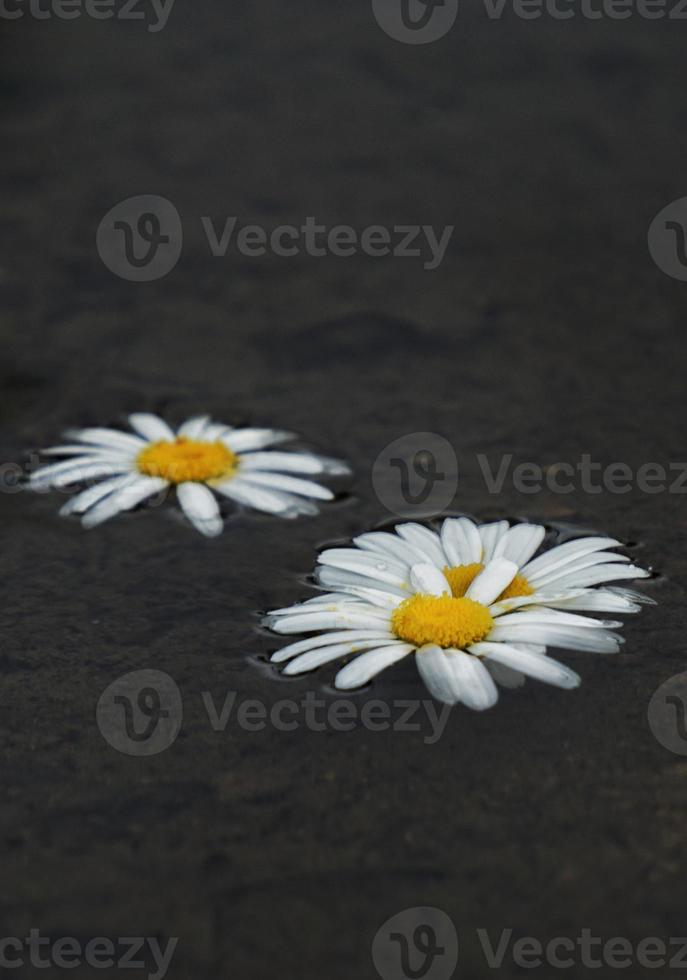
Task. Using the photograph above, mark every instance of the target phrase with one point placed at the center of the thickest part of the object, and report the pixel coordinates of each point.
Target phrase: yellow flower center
(441, 620)
(187, 460)
(451, 620)
(460, 578)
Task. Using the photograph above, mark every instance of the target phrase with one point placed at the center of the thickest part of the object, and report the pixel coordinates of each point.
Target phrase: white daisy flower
(201, 459)
(471, 602)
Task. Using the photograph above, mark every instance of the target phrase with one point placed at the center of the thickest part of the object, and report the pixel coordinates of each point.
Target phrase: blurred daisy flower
(471, 602)
(202, 460)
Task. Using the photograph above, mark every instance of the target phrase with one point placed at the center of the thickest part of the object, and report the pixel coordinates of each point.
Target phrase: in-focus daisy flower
(471, 603)
(200, 460)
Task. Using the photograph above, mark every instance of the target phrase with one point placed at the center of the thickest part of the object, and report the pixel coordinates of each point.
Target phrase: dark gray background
(547, 332)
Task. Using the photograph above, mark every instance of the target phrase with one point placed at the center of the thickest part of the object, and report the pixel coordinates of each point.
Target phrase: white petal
(428, 580)
(81, 502)
(316, 658)
(613, 572)
(453, 542)
(376, 597)
(269, 501)
(109, 438)
(215, 431)
(194, 428)
(473, 542)
(70, 470)
(477, 689)
(291, 484)
(368, 665)
(151, 427)
(92, 472)
(283, 462)
(380, 569)
(591, 600)
(441, 681)
(569, 637)
(319, 602)
(325, 597)
(531, 648)
(78, 472)
(549, 599)
(334, 467)
(491, 582)
(550, 577)
(83, 449)
(425, 541)
(621, 591)
(555, 618)
(463, 540)
(201, 508)
(528, 662)
(503, 675)
(381, 542)
(490, 536)
(339, 578)
(564, 553)
(332, 603)
(126, 498)
(328, 639)
(520, 542)
(246, 440)
(366, 618)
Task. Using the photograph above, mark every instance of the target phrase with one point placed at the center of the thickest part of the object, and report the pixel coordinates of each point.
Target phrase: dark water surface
(547, 333)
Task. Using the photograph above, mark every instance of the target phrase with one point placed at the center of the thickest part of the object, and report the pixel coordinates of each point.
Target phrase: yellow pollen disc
(460, 578)
(519, 586)
(441, 620)
(187, 460)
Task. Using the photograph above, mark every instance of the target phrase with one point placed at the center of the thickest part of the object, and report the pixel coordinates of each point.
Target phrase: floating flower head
(200, 460)
(471, 603)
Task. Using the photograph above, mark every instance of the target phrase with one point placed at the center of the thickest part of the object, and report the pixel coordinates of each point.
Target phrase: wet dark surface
(547, 332)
